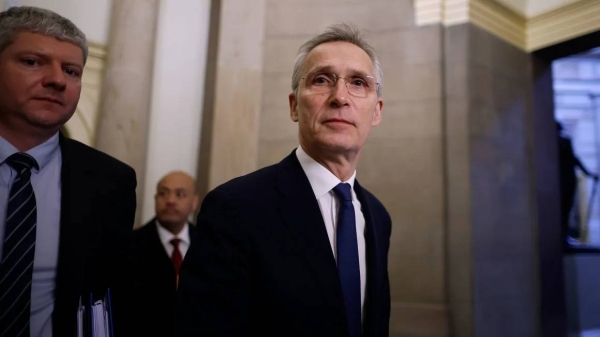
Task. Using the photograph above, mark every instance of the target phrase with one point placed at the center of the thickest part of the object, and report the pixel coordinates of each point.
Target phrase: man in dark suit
(158, 250)
(66, 210)
(299, 248)
(568, 163)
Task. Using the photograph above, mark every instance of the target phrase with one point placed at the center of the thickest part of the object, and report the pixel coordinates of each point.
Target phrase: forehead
(28, 42)
(339, 56)
(176, 181)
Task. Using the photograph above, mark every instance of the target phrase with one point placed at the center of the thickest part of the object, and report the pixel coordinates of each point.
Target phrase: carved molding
(562, 24)
(500, 21)
(528, 33)
(428, 12)
(83, 125)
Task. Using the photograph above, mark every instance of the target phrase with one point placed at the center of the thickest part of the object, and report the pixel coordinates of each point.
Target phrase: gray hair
(42, 21)
(340, 32)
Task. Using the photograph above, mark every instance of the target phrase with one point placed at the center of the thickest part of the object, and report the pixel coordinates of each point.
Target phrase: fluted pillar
(177, 93)
(125, 103)
(229, 146)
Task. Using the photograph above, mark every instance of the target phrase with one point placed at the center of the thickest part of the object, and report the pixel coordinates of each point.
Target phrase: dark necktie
(347, 258)
(16, 268)
(176, 257)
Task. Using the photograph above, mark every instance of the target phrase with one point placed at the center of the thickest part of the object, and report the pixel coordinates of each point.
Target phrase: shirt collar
(42, 153)
(321, 179)
(166, 236)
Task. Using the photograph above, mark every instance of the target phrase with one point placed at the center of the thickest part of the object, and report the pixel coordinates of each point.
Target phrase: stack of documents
(94, 317)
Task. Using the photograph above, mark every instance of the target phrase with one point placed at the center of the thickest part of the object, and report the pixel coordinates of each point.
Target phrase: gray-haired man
(66, 210)
(299, 248)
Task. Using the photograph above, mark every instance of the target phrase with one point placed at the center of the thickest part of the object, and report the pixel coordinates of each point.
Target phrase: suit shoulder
(376, 205)
(143, 230)
(141, 236)
(98, 158)
(251, 183)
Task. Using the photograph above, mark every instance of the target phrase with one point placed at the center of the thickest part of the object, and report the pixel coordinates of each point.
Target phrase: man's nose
(339, 93)
(54, 77)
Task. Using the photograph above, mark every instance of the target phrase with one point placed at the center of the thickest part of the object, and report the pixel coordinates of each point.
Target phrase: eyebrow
(330, 69)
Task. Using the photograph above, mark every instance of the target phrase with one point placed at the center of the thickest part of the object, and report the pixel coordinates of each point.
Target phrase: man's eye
(359, 82)
(72, 72)
(30, 62)
(321, 79)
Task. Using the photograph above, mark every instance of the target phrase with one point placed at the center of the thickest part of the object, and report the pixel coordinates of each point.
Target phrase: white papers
(80, 315)
(100, 320)
(94, 316)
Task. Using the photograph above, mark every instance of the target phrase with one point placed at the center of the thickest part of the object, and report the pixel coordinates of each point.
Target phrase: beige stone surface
(273, 151)
(126, 90)
(279, 125)
(238, 93)
(84, 123)
(413, 82)
(418, 320)
(409, 119)
(276, 87)
(308, 18)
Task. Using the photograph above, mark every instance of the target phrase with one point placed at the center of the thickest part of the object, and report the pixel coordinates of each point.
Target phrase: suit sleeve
(215, 289)
(386, 281)
(118, 250)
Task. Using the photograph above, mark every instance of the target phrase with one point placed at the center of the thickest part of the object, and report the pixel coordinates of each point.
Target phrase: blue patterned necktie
(16, 267)
(347, 258)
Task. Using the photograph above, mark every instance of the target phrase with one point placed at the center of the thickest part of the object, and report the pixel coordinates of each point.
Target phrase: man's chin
(48, 120)
(338, 145)
(168, 221)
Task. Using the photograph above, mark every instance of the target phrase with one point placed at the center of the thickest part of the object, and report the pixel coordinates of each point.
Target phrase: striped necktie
(16, 267)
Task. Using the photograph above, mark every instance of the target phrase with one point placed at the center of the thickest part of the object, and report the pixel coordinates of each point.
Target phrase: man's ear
(293, 107)
(377, 113)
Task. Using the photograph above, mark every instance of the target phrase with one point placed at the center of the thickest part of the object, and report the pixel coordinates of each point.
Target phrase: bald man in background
(158, 250)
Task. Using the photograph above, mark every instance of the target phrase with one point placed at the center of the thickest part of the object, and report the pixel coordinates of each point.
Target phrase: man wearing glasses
(299, 248)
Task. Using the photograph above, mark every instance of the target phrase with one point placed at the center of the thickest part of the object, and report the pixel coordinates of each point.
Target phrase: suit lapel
(302, 216)
(74, 227)
(157, 249)
(374, 270)
(193, 234)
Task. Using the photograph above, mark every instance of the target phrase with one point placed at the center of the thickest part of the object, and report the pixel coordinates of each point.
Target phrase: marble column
(125, 103)
(229, 146)
(177, 92)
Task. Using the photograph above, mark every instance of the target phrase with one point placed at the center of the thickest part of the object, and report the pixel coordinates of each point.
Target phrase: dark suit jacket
(97, 214)
(154, 282)
(264, 266)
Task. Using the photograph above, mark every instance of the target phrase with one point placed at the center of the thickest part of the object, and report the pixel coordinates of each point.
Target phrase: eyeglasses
(357, 85)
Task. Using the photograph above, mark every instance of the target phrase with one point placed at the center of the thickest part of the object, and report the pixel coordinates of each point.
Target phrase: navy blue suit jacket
(264, 266)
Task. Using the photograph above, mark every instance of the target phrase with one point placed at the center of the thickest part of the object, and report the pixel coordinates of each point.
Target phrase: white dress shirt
(322, 182)
(166, 237)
